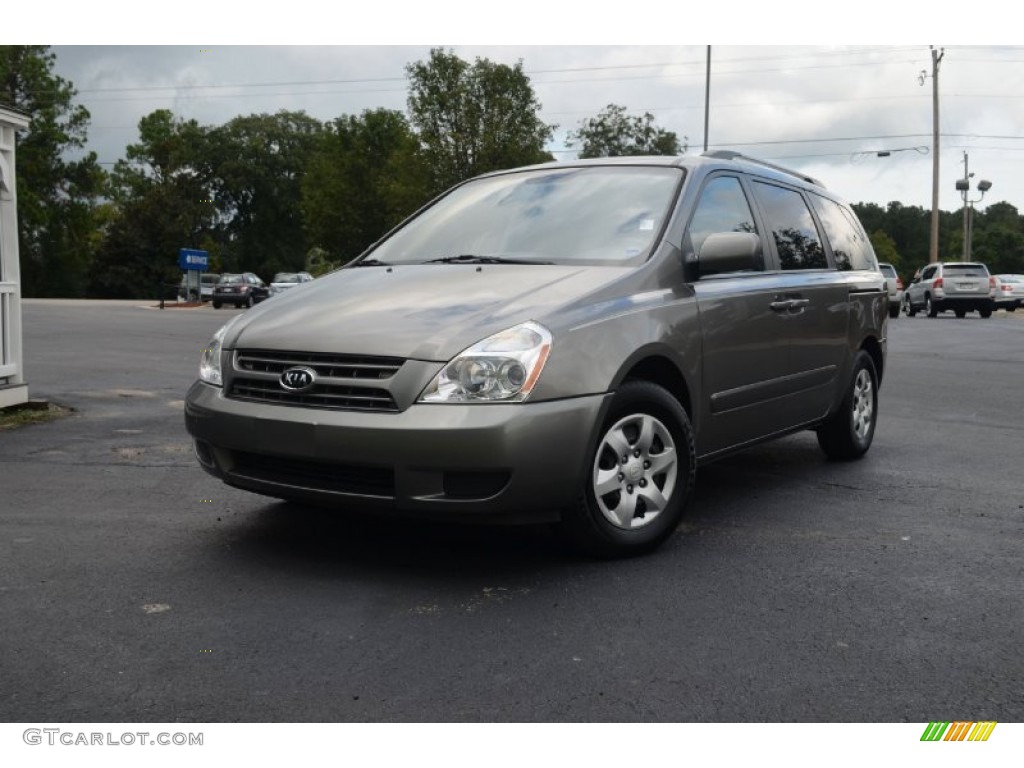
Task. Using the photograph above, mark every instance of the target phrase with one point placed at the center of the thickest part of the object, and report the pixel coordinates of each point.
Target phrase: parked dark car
(242, 290)
(565, 343)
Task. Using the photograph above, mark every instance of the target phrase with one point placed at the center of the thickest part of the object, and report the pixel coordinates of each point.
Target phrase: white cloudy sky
(824, 110)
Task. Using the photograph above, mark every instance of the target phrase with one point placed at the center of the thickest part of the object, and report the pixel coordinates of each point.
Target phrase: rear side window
(851, 248)
(887, 269)
(792, 226)
(722, 208)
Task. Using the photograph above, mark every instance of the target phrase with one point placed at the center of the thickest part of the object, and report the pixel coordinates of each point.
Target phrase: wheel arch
(873, 347)
(659, 369)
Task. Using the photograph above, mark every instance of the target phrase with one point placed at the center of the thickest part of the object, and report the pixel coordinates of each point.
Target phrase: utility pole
(933, 253)
(967, 220)
(707, 98)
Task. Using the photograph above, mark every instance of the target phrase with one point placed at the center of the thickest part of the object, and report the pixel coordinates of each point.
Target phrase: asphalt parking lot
(135, 588)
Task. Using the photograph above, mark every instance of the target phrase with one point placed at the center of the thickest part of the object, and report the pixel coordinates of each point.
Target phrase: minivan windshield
(597, 215)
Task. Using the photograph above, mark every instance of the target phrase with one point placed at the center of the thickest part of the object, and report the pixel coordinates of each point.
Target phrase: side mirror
(729, 252)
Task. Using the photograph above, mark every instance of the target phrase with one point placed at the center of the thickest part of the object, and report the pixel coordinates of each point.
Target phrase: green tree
(162, 193)
(998, 239)
(56, 194)
(256, 166)
(613, 133)
(474, 118)
(364, 176)
(886, 251)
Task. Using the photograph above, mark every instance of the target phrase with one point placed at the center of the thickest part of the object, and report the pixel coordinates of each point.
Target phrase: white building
(13, 389)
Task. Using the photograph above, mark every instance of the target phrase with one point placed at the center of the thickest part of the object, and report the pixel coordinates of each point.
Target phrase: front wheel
(216, 305)
(848, 432)
(639, 475)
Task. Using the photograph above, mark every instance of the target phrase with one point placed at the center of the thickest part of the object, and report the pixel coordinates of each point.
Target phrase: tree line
(286, 191)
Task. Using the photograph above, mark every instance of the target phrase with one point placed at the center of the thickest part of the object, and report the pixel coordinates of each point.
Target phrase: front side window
(722, 208)
(593, 215)
(796, 236)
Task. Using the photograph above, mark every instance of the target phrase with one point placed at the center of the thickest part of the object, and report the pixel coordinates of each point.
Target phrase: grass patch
(30, 413)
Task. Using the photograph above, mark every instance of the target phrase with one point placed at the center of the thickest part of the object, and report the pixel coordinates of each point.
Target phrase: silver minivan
(565, 342)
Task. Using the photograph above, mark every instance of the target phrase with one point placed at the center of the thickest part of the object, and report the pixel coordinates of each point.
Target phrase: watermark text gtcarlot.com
(57, 736)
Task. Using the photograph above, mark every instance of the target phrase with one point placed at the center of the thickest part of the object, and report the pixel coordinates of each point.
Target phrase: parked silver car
(284, 280)
(958, 286)
(895, 286)
(565, 342)
(1009, 292)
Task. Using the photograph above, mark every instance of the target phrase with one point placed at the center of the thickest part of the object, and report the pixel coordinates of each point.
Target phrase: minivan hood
(421, 311)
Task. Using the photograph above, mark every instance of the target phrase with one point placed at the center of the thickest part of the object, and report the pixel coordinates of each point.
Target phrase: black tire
(909, 306)
(216, 305)
(248, 301)
(1012, 308)
(849, 431)
(960, 313)
(649, 422)
(985, 313)
(930, 307)
(894, 311)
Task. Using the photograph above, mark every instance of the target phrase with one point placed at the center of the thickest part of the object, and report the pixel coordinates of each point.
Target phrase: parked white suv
(958, 286)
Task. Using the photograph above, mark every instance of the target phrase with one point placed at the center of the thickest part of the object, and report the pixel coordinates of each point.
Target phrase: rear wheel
(848, 432)
(639, 477)
(216, 305)
(908, 307)
(894, 311)
(985, 313)
(960, 312)
(930, 307)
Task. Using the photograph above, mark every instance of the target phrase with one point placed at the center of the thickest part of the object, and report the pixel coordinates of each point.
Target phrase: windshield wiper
(469, 258)
(371, 263)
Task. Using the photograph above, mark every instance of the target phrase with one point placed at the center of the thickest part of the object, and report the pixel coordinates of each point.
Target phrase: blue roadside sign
(191, 259)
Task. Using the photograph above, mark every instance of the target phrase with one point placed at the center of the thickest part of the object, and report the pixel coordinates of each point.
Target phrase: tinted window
(722, 208)
(928, 273)
(887, 269)
(850, 247)
(796, 236)
(966, 270)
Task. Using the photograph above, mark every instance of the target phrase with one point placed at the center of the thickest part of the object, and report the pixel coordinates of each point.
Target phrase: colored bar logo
(958, 731)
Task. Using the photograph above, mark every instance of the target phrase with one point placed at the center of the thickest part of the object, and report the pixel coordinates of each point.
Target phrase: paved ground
(133, 587)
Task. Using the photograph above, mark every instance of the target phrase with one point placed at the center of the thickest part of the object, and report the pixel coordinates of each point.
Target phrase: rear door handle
(780, 306)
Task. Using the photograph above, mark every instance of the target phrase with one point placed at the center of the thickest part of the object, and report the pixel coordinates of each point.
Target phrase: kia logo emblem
(298, 379)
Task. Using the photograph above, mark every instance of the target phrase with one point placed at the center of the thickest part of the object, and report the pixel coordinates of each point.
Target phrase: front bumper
(510, 463)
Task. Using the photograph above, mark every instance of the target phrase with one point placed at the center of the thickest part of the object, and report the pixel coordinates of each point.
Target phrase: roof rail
(728, 154)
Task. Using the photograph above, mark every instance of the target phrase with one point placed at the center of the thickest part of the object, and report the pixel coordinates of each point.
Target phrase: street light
(963, 186)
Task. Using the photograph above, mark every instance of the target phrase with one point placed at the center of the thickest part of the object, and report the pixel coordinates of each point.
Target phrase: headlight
(209, 363)
(501, 368)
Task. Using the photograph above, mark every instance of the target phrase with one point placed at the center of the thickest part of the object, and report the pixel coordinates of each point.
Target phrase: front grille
(296, 473)
(344, 382)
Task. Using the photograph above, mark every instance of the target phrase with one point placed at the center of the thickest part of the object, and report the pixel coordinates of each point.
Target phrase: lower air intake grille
(296, 473)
